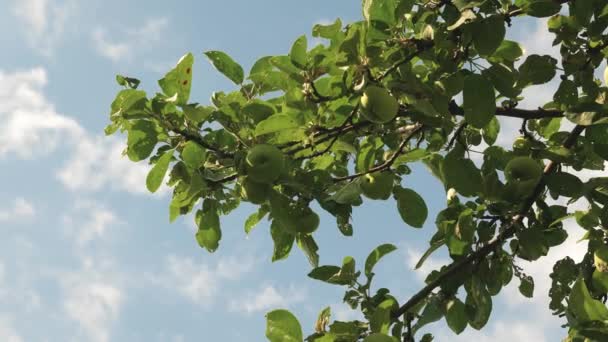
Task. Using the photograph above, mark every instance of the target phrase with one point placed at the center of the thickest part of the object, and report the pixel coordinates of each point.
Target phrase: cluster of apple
(264, 164)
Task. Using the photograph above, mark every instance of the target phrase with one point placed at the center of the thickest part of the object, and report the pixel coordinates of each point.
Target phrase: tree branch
(387, 164)
(539, 113)
(508, 232)
(348, 120)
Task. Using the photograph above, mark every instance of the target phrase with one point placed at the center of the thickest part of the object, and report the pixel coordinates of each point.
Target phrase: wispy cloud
(201, 282)
(89, 221)
(98, 163)
(21, 209)
(132, 41)
(44, 21)
(31, 125)
(268, 297)
(92, 302)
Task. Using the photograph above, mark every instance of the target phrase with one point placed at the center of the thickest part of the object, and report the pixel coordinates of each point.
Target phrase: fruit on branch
(377, 186)
(254, 192)
(521, 145)
(600, 259)
(522, 175)
(264, 163)
(305, 220)
(378, 105)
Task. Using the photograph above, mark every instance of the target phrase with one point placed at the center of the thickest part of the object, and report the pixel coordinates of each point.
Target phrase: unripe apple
(256, 193)
(521, 144)
(377, 186)
(600, 259)
(264, 163)
(306, 221)
(378, 105)
(522, 175)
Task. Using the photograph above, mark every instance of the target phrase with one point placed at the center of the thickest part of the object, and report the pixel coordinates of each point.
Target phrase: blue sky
(88, 255)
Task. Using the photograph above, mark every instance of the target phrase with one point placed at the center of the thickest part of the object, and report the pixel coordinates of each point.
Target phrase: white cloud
(89, 221)
(133, 39)
(31, 127)
(22, 209)
(97, 163)
(94, 305)
(30, 124)
(499, 332)
(45, 21)
(7, 332)
(266, 298)
(92, 297)
(199, 282)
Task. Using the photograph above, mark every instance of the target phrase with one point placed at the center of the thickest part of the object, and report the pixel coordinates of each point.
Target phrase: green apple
(378, 105)
(522, 175)
(256, 193)
(306, 221)
(377, 186)
(264, 163)
(521, 144)
(600, 259)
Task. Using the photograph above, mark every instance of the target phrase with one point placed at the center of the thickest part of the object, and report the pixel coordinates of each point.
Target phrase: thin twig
(346, 122)
(387, 164)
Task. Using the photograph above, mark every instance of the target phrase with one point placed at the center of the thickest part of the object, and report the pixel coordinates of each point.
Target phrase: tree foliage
(325, 129)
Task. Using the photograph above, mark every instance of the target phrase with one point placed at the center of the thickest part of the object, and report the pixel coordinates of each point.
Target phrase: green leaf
(565, 184)
(455, 315)
(226, 65)
(479, 102)
(348, 194)
(196, 113)
(126, 101)
(537, 69)
(194, 155)
(324, 273)
(283, 240)
(490, 132)
(411, 207)
(531, 244)
(539, 8)
(298, 52)
(526, 286)
(254, 219)
(462, 175)
(508, 51)
(378, 337)
(488, 34)
(179, 80)
(381, 318)
(283, 326)
(276, 123)
(376, 255)
(209, 233)
(465, 16)
(141, 140)
(434, 246)
(310, 248)
(157, 173)
(432, 313)
(503, 79)
(327, 31)
(480, 303)
(583, 306)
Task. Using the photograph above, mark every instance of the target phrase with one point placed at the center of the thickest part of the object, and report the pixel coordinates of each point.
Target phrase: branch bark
(387, 164)
(539, 113)
(507, 232)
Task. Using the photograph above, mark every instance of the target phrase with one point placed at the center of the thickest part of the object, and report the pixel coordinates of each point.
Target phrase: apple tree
(339, 123)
